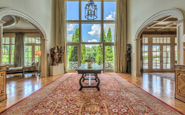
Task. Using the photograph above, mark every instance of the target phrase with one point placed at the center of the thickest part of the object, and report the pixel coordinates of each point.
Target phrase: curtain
(19, 50)
(61, 27)
(120, 37)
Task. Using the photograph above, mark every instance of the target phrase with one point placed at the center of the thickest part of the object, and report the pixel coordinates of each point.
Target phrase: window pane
(38, 40)
(95, 52)
(33, 40)
(175, 39)
(72, 57)
(5, 57)
(168, 40)
(72, 32)
(154, 40)
(12, 55)
(28, 55)
(91, 32)
(161, 40)
(109, 10)
(166, 57)
(156, 57)
(98, 6)
(6, 40)
(109, 30)
(109, 57)
(145, 40)
(72, 10)
(13, 40)
(36, 56)
(145, 57)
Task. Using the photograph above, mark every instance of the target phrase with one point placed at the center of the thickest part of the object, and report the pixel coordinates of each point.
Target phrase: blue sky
(90, 32)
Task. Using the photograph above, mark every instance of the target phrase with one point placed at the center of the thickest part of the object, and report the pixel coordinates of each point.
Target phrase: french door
(161, 58)
(159, 54)
(29, 54)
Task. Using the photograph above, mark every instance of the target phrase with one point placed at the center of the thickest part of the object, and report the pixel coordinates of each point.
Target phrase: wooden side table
(3, 94)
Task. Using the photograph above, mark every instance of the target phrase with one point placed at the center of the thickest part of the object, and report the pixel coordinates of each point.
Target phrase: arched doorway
(13, 12)
(180, 31)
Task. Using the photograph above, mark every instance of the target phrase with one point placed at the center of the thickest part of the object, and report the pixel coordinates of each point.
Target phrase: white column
(44, 69)
(1, 40)
(138, 57)
(180, 51)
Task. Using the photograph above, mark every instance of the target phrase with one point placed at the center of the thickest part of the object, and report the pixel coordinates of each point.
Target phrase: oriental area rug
(170, 76)
(117, 96)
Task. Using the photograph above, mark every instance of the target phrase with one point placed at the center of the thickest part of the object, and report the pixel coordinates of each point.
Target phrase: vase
(89, 64)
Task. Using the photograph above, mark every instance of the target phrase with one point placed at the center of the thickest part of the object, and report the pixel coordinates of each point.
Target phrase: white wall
(138, 11)
(43, 11)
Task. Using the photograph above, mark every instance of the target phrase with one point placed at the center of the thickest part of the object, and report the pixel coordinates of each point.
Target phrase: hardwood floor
(163, 89)
(19, 88)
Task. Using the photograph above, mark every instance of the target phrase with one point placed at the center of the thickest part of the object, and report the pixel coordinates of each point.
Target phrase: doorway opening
(159, 46)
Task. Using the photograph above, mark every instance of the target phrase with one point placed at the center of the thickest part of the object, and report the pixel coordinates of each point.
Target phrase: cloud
(93, 40)
(71, 27)
(69, 37)
(90, 46)
(111, 16)
(96, 30)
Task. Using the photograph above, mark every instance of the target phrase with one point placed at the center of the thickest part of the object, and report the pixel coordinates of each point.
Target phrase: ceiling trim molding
(13, 23)
(13, 12)
(168, 12)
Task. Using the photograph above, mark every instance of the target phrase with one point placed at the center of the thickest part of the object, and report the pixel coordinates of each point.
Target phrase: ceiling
(166, 25)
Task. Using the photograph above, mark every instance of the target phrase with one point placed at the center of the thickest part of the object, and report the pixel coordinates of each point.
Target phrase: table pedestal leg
(83, 75)
(81, 86)
(97, 86)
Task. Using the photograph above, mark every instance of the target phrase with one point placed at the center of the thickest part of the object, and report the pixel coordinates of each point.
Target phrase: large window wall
(90, 38)
(8, 49)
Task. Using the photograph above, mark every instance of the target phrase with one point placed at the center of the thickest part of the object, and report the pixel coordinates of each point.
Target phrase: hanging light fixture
(91, 10)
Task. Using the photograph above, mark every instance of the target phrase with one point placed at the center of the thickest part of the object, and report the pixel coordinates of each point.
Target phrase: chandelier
(91, 10)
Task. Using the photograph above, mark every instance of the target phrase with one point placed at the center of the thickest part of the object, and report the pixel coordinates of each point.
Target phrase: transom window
(90, 38)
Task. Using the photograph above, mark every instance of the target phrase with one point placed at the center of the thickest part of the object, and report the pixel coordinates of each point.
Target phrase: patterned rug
(116, 96)
(165, 75)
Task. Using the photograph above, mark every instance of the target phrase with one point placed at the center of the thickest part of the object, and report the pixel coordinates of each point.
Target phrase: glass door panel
(36, 56)
(145, 57)
(109, 57)
(72, 57)
(28, 55)
(12, 54)
(156, 56)
(166, 57)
